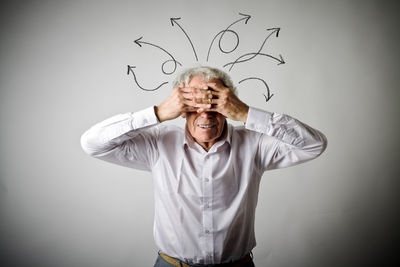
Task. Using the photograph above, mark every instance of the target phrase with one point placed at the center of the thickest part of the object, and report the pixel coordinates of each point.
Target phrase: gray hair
(207, 73)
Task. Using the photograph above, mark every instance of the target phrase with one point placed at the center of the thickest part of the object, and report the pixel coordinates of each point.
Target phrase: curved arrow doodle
(222, 33)
(280, 59)
(130, 69)
(174, 20)
(254, 54)
(167, 61)
(219, 43)
(268, 96)
(139, 43)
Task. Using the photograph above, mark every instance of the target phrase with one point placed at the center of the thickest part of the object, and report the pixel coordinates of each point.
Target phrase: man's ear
(183, 115)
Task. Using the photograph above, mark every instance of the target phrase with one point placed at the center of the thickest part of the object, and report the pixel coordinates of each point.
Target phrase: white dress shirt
(204, 201)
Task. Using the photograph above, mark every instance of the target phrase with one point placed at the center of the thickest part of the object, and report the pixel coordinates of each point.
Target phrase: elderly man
(206, 177)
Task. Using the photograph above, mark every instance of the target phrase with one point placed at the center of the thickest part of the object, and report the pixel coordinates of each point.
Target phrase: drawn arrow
(174, 20)
(254, 54)
(246, 18)
(280, 59)
(130, 70)
(222, 33)
(268, 96)
(139, 43)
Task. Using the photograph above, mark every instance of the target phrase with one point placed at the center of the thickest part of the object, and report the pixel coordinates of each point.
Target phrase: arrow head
(268, 98)
(137, 41)
(281, 61)
(130, 69)
(173, 20)
(274, 30)
(246, 16)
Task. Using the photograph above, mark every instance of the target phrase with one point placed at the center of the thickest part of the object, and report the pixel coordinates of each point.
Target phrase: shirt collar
(190, 142)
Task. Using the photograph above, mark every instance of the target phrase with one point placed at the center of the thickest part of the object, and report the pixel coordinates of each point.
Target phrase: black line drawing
(254, 54)
(268, 96)
(139, 43)
(174, 20)
(222, 33)
(130, 69)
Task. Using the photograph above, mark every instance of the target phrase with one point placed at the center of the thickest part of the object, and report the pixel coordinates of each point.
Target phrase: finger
(195, 109)
(206, 94)
(215, 86)
(194, 90)
(187, 96)
(203, 94)
(209, 101)
(201, 100)
(195, 100)
(206, 100)
(204, 106)
(188, 89)
(211, 91)
(188, 102)
(197, 105)
(211, 109)
(198, 94)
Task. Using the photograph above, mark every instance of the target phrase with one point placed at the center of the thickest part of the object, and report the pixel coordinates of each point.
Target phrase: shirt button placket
(207, 211)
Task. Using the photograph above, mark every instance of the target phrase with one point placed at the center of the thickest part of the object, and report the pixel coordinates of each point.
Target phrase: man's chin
(205, 139)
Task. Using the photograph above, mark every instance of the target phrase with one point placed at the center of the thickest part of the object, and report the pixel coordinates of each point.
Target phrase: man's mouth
(206, 126)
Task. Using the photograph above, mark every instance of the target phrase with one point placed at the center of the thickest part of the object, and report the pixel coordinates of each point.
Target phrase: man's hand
(183, 99)
(226, 102)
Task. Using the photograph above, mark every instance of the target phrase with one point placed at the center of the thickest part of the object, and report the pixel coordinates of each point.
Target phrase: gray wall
(63, 68)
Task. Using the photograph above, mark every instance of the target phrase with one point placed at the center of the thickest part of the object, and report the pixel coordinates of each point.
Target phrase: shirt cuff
(144, 118)
(258, 120)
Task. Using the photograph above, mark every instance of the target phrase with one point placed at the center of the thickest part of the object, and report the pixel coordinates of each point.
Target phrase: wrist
(158, 114)
(245, 114)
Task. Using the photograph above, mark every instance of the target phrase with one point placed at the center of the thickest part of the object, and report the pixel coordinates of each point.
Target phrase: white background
(64, 67)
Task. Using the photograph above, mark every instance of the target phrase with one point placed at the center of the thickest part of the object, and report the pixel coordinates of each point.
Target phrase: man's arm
(125, 139)
(130, 139)
(284, 141)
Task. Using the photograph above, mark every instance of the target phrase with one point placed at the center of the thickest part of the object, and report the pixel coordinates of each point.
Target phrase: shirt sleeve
(284, 141)
(126, 139)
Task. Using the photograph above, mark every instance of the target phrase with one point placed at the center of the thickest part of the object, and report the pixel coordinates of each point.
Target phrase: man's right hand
(182, 99)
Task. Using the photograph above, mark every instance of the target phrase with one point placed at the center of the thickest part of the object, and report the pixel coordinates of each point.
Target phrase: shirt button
(207, 232)
(206, 180)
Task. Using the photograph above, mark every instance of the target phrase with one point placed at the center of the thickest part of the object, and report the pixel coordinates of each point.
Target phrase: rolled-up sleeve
(284, 141)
